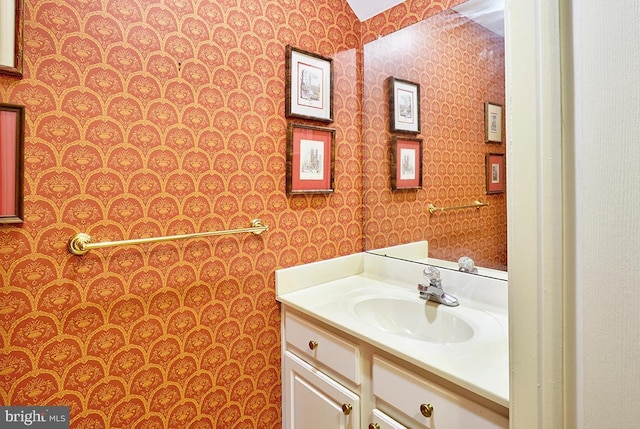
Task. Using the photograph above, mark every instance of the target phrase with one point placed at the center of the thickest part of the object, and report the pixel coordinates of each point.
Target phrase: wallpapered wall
(147, 118)
(459, 66)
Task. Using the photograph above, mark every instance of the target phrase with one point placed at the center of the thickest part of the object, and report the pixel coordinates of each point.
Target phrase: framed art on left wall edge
(11, 163)
(11, 37)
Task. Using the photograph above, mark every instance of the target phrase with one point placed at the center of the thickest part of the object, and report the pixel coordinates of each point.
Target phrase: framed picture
(495, 173)
(11, 162)
(310, 159)
(406, 163)
(11, 39)
(309, 85)
(492, 123)
(404, 105)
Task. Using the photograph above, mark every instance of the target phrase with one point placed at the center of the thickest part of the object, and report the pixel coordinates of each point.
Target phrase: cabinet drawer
(317, 345)
(410, 395)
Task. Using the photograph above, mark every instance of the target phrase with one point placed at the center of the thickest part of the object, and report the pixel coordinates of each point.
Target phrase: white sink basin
(416, 319)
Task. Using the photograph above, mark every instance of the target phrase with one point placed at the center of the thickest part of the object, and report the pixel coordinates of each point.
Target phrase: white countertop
(480, 364)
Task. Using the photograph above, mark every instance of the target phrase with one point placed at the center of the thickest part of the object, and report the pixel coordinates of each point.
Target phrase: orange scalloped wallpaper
(147, 118)
(460, 66)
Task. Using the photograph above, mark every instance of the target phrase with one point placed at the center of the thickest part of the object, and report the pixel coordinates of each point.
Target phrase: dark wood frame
(295, 184)
(490, 160)
(17, 215)
(16, 69)
(392, 85)
(291, 79)
(397, 144)
(487, 126)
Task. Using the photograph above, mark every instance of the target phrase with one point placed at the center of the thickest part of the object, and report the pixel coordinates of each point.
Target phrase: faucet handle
(466, 265)
(431, 274)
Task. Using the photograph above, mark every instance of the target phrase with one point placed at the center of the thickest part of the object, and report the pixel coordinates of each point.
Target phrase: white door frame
(535, 211)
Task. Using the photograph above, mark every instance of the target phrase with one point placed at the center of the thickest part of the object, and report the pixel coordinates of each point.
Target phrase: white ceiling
(488, 13)
(365, 9)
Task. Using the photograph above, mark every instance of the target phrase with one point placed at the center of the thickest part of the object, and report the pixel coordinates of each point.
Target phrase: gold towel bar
(476, 205)
(81, 243)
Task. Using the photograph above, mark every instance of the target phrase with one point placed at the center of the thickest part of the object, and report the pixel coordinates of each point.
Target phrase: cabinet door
(312, 400)
(380, 420)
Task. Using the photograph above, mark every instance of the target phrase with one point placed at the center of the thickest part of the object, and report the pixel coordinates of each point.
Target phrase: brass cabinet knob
(313, 345)
(374, 426)
(426, 410)
(346, 409)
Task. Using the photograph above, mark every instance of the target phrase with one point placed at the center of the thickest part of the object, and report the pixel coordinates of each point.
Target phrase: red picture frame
(406, 163)
(495, 173)
(310, 159)
(11, 163)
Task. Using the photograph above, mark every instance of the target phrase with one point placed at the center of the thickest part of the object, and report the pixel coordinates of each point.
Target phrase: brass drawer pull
(313, 345)
(346, 409)
(426, 410)
(374, 426)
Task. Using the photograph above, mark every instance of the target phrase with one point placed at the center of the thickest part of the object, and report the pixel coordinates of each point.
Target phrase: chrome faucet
(433, 290)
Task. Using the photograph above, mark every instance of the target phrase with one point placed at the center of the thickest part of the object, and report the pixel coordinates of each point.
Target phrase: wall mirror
(11, 36)
(457, 59)
(11, 163)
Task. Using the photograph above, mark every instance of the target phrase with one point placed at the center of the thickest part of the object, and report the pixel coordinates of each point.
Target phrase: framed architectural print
(310, 159)
(495, 173)
(11, 163)
(11, 36)
(404, 106)
(406, 163)
(493, 123)
(309, 85)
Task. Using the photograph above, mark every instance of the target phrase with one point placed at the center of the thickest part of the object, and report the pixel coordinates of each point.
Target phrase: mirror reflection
(459, 64)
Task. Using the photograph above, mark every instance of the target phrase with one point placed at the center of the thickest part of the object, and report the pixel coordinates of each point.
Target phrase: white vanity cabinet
(337, 381)
(350, 363)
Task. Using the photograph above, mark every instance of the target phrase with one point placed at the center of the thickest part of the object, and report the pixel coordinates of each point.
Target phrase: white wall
(606, 156)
